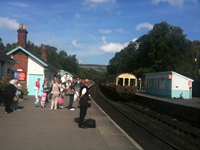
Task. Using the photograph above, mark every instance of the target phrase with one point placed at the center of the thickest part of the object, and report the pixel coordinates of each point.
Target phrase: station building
(168, 84)
(29, 67)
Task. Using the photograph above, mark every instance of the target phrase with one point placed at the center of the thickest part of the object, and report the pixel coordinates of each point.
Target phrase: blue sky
(94, 30)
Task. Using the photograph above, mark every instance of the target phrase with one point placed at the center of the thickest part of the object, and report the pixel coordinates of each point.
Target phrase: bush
(4, 81)
(25, 90)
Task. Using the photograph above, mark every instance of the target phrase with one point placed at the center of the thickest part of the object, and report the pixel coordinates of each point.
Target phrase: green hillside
(99, 68)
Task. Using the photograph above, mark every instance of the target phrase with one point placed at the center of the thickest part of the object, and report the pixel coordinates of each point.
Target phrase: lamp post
(140, 83)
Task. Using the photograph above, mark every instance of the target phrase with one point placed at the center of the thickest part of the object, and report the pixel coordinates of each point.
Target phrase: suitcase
(90, 123)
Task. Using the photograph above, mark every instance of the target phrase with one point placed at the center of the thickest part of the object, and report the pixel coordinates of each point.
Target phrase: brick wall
(22, 59)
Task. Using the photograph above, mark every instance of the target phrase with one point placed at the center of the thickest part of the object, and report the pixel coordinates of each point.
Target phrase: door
(32, 80)
(168, 88)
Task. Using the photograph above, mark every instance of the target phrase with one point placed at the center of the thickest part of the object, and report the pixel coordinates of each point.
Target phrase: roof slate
(5, 57)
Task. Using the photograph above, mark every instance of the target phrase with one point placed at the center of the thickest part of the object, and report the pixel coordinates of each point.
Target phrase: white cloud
(144, 25)
(19, 4)
(134, 39)
(173, 2)
(77, 45)
(104, 40)
(78, 16)
(120, 30)
(113, 47)
(10, 24)
(80, 61)
(105, 31)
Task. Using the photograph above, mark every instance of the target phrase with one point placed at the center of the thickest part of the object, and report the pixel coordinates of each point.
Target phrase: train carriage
(120, 85)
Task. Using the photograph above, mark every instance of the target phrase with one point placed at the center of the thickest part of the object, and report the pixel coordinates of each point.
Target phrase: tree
(166, 48)
(124, 61)
(196, 45)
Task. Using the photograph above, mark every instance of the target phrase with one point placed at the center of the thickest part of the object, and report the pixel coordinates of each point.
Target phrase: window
(132, 82)
(152, 83)
(8, 72)
(120, 81)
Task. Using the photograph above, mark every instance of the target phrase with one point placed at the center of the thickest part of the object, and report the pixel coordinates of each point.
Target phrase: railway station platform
(36, 128)
(184, 109)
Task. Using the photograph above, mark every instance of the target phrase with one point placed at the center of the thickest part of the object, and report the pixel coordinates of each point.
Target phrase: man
(82, 83)
(84, 92)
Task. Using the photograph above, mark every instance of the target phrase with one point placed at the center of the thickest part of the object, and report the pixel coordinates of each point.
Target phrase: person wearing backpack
(84, 92)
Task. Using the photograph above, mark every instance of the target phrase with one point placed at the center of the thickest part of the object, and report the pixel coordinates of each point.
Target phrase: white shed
(168, 84)
(65, 75)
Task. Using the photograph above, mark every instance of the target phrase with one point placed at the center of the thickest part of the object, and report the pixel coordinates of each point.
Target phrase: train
(121, 86)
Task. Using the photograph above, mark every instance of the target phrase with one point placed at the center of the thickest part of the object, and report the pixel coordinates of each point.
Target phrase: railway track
(168, 131)
(183, 127)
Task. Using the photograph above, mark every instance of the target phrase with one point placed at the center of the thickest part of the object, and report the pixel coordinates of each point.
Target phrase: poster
(16, 75)
(21, 76)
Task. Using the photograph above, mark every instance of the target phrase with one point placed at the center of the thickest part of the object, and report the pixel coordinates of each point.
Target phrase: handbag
(35, 88)
(60, 101)
(70, 92)
(15, 98)
(90, 123)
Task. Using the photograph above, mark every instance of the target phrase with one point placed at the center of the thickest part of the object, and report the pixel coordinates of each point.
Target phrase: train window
(126, 81)
(120, 81)
(132, 82)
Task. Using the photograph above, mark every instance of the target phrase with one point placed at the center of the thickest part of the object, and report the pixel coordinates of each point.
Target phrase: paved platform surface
(194, 102)
(35, 128)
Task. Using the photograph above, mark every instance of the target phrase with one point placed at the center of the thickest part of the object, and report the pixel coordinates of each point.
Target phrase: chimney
(44, 53)
(22, 34)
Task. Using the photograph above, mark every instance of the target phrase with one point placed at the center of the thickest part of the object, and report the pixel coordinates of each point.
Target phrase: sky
(94, 30)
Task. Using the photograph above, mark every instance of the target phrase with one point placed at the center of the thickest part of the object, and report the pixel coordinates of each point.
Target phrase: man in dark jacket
(84, 94)
(9, 93)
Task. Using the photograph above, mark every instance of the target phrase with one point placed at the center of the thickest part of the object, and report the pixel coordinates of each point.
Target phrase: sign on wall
(21, 76)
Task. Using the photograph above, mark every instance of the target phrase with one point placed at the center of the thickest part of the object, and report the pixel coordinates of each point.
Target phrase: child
(60, 101)
(43, 98)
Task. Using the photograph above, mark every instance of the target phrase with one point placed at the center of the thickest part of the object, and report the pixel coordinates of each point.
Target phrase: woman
(9, 93)
(71, 99)
(18, 93)
(55, 94)
(37, 84)
(45, 87)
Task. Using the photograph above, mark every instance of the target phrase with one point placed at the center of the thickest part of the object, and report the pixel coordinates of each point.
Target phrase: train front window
(132, 82)
(126, 81)
(120, 81)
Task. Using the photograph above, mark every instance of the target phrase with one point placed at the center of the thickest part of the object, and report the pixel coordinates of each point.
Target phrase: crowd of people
(76, 90)
(57, 90)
